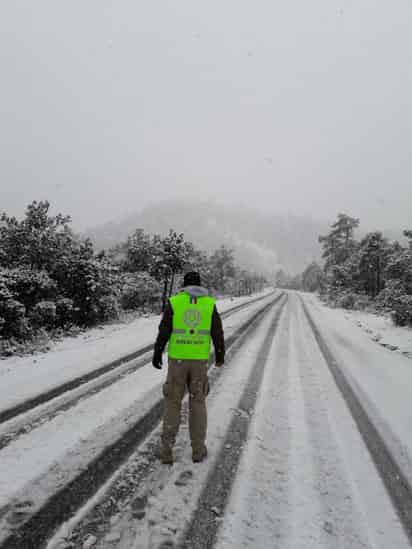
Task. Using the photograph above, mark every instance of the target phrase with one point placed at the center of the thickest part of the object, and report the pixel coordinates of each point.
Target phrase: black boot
(199, 455)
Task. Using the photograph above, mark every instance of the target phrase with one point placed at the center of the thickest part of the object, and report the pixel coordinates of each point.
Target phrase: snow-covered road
(292, 462)
(306, 479)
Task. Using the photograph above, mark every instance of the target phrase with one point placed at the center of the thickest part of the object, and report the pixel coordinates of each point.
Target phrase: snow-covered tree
(222, 266)
(339, 243)
(312, 277)
(138, 252)
(170, 255)
(373, 254)
(36, 241)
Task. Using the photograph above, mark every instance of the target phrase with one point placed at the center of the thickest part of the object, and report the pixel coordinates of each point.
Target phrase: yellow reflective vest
(192, 323)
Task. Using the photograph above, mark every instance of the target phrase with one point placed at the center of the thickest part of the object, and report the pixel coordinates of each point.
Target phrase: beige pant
(182, 375)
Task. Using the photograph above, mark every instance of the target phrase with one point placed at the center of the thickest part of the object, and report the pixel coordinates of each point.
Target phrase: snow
(382, 330)
(305, 480)
(382, 378)
(31, 454)
(364, 488)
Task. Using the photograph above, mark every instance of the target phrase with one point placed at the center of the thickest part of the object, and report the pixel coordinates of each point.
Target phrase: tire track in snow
(27, 405)
(34, 418)
(337, 520)
(202, 530)
(259, 504)
(397, 484)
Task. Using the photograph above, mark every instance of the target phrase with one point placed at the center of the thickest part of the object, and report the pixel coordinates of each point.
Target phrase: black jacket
(165, 331)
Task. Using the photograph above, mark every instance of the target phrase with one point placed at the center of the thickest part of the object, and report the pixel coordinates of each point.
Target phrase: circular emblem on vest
(192, 318)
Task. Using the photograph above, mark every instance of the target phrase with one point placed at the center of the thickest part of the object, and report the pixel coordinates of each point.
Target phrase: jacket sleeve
(218, 337)
(165, 330)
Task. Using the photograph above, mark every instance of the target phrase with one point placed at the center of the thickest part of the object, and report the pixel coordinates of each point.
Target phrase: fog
(302, 107)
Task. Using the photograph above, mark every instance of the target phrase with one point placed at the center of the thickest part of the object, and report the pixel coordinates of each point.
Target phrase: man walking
(189, 324)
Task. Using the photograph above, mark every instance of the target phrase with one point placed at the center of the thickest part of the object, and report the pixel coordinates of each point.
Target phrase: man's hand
(157, 361)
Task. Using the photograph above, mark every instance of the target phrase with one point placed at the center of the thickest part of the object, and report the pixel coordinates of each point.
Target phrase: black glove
(219, 358)
(157, 361)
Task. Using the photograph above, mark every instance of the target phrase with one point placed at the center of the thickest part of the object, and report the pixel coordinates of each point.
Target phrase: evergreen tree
(37, 241)
(170, 255)
(373, 253)
(399, 268)
(339, 243)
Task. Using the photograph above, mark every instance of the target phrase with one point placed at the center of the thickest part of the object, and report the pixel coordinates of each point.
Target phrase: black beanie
(191, 279)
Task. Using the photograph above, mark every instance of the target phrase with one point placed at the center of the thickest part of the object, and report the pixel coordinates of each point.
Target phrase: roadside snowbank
(381, 329)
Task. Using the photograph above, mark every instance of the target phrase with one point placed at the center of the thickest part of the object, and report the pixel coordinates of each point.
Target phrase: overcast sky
(299, 106)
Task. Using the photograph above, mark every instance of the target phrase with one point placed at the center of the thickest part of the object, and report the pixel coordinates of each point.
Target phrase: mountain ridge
(262, 242)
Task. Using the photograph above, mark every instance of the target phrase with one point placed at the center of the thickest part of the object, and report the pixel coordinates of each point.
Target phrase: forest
(370, 272)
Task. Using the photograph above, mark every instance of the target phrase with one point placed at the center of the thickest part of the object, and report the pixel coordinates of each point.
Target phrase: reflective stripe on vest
(192, 323)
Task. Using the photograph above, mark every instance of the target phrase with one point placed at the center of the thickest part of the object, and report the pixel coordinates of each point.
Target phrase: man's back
(190, 323)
